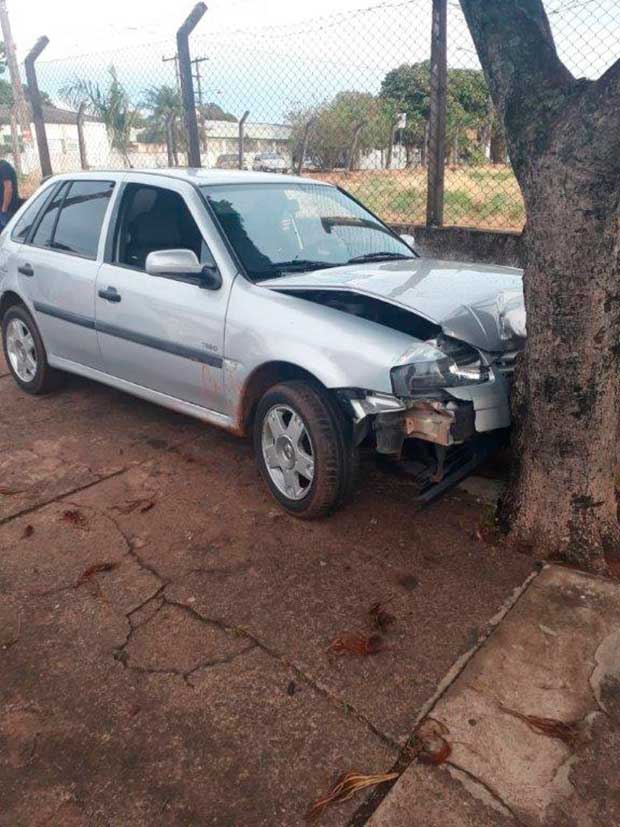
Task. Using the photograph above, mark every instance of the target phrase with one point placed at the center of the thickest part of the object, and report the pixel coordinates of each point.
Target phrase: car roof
(194, 175)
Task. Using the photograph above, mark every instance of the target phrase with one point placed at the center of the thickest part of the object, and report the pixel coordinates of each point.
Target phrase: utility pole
(19, 99)
(197, 77)
(176, 66)
(195, 63)
(438, 108)
(201, 113)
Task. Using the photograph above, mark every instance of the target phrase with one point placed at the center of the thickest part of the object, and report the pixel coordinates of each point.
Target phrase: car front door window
(152, 219)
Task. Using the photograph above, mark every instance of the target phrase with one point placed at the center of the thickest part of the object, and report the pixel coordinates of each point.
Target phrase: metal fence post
(242, 136)
(80, 131)
(353, 149)
(304, 145)
(437, 125)
(37, 108)
(187, 84)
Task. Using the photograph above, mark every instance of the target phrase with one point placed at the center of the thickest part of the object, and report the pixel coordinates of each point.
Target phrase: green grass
(484, 196)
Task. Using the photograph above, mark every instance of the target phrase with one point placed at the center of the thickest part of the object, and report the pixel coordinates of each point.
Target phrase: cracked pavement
(556, 657)
(164, 628)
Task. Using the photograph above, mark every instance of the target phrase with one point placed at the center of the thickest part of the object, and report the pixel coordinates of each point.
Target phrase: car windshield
(281, 228)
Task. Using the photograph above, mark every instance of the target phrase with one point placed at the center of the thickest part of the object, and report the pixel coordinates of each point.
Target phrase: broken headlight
(428, 369)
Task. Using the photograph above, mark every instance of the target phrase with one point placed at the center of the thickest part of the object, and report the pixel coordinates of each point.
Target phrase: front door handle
(25, 270)
(110, 294)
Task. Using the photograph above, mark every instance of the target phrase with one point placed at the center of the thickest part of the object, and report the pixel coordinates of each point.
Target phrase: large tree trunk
(498, 151)
(564, 142)
(563, 500)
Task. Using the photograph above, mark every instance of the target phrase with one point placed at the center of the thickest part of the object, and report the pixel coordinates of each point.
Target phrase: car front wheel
(304, 449)
(25, 353)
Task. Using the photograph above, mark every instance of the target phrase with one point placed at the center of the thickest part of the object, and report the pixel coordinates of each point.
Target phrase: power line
(289, 29)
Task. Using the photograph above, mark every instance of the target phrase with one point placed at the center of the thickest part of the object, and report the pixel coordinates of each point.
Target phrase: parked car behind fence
(270, 162)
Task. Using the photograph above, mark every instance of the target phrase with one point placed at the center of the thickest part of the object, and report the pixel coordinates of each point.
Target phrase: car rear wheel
(304, 449)
(25, 353)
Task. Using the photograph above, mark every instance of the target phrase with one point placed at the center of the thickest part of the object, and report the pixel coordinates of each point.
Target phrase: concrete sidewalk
(556, 655)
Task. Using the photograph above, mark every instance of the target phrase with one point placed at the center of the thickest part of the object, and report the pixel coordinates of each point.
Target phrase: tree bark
(497, 150)
(564, 143)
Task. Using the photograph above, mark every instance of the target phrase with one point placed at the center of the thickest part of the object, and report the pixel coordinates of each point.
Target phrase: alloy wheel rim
(288, 452)
(21, 350)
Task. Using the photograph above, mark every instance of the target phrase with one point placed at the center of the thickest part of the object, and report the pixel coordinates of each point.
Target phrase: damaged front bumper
(456, 417)
(450, 435)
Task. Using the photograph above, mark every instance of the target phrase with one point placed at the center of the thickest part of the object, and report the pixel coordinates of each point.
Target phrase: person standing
(9, 197)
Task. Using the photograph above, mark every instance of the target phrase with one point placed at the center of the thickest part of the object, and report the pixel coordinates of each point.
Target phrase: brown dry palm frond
(568, 731)
(346, 786)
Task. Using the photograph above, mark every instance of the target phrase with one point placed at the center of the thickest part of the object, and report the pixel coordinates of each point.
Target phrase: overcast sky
(272, 56)
(78, 26)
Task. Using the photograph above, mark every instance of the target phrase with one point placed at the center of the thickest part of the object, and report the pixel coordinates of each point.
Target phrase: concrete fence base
(467, 243)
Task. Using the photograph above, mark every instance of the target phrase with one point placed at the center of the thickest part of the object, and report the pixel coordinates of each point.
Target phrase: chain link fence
(343, 98)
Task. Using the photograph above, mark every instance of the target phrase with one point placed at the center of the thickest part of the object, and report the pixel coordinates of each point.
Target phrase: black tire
(45, 379)
(335, 457)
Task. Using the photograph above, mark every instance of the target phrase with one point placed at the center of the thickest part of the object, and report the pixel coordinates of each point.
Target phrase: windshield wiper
(300, 265)
(378, 257)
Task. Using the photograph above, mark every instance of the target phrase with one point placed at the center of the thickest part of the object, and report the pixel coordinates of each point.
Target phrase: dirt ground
(165, 628)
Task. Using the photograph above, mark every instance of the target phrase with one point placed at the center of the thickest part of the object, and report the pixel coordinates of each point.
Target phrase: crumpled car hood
(469, 301)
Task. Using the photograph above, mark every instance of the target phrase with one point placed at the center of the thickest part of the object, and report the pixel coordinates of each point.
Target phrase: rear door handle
(25, 270)
(110, 294)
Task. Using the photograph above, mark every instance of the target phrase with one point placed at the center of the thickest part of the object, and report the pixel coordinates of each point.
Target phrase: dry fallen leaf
(96, 568)
(143, 503)
(74, 517)
(379, 617)
(431, 746)
(346, 786)
(356, 645)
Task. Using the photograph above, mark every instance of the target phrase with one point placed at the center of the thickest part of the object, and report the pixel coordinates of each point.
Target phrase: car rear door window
(23, 226)
(81, 218)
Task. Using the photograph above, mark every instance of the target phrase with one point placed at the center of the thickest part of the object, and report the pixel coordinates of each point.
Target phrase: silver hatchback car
(265, 304)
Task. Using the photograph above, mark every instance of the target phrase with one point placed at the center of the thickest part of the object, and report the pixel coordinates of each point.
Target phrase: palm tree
(164, 103)
(111, 104)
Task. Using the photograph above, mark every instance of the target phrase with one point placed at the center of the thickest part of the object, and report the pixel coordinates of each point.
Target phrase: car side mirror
(408, 239)
(183, 264)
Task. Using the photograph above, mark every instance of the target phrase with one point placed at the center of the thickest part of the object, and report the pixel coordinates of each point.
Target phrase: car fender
(339, 350)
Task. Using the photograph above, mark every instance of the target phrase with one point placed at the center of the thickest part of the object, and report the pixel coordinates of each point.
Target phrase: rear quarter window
(29, 216)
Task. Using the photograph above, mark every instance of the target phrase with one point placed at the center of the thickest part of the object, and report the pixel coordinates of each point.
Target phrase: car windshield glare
(278, 228)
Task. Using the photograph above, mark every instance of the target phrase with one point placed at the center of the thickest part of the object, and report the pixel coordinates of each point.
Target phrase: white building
(62, 140)
(220, 138)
